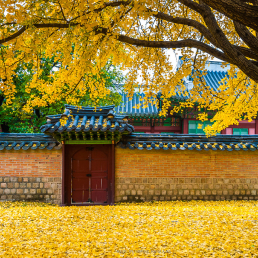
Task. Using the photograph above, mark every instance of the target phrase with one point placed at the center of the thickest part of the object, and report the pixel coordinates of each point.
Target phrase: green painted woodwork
(193, 126)
(240, 131)
(167, 122)
(89, 136)
(88, 142)
(137, 121)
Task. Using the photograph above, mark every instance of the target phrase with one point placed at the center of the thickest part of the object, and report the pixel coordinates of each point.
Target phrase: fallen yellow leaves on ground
(158, 229)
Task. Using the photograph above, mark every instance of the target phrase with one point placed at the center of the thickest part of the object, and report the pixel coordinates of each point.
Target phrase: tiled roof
(189, 142)
(12, 141)
(135, 106)
(129, 106)
(25, 141)
(85, 119)
(213, 78)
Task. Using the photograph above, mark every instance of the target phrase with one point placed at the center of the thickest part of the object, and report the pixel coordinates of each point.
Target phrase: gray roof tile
(25, 141)
(85, 119)
(189, 142)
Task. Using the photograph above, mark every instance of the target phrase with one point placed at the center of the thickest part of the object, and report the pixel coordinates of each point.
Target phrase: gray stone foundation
(167, 189)
(44, 189)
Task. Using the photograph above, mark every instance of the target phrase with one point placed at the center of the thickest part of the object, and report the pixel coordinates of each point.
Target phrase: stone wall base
(136, 189)
(44, 189)
(168, 189)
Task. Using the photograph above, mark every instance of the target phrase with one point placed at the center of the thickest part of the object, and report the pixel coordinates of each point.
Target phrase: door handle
(88, 175)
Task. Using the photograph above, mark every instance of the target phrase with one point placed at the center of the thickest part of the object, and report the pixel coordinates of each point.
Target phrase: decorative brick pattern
(46, 189)
(167, 189)
(31, 163)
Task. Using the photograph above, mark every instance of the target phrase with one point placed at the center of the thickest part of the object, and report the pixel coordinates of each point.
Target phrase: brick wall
(140, 175)
(31, 163)
(31, 175)
(177, 175)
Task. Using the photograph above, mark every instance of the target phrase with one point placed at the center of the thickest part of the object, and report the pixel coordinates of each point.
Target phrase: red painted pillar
(112, 201)
(185, 126)
(223, 131)
(256, 126)
(63, 174)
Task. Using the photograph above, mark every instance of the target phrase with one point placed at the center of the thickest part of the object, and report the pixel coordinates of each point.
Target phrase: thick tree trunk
(237, 10)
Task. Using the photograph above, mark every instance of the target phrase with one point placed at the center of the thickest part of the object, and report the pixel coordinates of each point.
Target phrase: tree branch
(204, 31)
(105, 5)
(156, 44)
(231, 51)
(62, 11)
(189, 22)
(237, 10)
(113, 4)
(249, 39)
(174, 44)
(43, 25)
(15, 35)
(247, 52)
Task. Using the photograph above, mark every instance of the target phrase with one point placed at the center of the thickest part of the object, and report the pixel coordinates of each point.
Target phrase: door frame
(67, 152)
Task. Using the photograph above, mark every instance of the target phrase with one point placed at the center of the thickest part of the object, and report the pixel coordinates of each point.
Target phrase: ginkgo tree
(14, 120)
(136, 34)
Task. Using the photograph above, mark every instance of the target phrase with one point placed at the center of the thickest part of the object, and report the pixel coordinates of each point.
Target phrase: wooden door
(90, 174)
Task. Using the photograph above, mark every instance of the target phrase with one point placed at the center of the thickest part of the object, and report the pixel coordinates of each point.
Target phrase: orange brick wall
(31, 163)
(139, 174)
(160, 175)
(201, 164)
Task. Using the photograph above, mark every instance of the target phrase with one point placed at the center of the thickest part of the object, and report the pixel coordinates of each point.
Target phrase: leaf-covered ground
(160, 229)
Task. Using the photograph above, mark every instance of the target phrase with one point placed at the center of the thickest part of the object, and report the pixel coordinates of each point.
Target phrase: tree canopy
(83, 35)
(12, 117)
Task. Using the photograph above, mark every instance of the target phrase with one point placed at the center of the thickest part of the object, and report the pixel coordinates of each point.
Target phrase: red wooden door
(91, 175)
(80, 181)
(99, 176)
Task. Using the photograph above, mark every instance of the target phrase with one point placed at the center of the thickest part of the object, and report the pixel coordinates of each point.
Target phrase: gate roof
(85, 119)
(87, 124)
